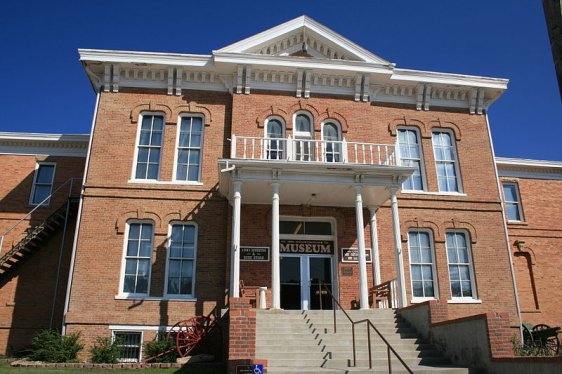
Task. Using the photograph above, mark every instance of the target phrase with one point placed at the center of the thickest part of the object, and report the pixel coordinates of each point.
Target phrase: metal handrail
(69, 180)
(370, 325)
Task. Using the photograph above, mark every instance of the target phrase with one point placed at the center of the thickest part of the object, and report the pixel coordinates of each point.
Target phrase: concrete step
(338, 363)
(420, 350)
(313, 328)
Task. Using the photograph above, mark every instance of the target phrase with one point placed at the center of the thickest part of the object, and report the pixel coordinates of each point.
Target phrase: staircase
(304, 342)
(35, 238)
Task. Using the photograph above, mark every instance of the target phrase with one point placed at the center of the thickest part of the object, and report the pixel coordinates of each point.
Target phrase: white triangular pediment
(303, 37)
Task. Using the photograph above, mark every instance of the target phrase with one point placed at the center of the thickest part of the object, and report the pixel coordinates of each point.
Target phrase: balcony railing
(310, 150)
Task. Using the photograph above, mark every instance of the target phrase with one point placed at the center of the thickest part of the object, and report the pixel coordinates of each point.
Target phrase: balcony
(313, 151)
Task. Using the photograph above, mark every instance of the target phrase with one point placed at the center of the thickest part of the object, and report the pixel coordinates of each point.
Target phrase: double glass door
(303, 278)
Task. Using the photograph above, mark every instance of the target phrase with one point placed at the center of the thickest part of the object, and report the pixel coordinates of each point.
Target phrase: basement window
(130, 343)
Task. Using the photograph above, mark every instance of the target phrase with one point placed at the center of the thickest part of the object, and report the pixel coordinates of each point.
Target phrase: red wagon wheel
(188, 333)
(550, 342)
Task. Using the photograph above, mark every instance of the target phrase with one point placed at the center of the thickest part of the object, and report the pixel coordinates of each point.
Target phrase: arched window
(275, 142)
(332, 142)
(303, 136)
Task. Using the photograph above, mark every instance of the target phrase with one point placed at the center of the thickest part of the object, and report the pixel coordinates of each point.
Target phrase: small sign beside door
(352, 255)
(248, 253)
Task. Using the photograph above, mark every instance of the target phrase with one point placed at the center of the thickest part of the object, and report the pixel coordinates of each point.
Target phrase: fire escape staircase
(37, 236)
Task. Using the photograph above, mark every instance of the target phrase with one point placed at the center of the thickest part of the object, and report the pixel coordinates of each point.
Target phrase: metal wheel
(188, 333)
(550, 342)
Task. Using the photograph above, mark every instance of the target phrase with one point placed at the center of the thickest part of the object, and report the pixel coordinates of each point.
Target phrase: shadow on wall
(32, 291)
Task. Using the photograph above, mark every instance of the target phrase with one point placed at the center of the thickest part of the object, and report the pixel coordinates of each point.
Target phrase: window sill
(419, 300)
(152, 181)
(464, 301)
(153, 298)
(517, 223)
(414, 192)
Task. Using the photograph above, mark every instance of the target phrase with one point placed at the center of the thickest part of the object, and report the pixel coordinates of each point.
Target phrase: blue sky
(46, 90)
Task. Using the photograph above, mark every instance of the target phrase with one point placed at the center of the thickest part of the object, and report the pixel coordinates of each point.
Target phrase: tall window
(332, 144)
(181, 260)
(460, 265)
(138, 258)
(42, 184)
(512, 202)
(303, 134)
(149, 147)
(421, 264)
(410, 154)
(189, 148)
(275, 142)
(446, 161)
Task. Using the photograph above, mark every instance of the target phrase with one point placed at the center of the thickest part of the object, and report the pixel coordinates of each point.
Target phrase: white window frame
(283, 138)
(302, 135)
(34, 185)
(193, 280)
(518, 202)
(417, 299)
(130, 295)
(113, 332)
(339, 141)
(135, 158)
(421, 159)
(177, 149)
(470, 266)
(455, 162)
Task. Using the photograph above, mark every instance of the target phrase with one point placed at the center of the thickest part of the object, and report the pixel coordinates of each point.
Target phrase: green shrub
(105, 351)
(162, 343)
(51, 346)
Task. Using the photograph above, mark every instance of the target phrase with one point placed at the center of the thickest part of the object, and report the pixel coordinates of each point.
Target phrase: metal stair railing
(40, 228)
(370, 325)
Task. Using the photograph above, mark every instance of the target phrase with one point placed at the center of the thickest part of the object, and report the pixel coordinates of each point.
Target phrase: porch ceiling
(308, 183)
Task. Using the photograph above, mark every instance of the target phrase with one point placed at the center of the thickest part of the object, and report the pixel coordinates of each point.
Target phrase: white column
(363, 289)
(400, 282)
(375, 245)
(275, 279)
(235, 250)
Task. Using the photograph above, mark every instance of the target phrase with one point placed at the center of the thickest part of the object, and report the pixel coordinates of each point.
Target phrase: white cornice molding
(526, 168)
(306, 23)
(20, 143)
(137, 57)
(449, 78)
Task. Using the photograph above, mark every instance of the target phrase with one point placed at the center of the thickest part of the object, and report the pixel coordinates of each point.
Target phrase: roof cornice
(449, 78)
(526, 168)
(21, 143)
(137, 57)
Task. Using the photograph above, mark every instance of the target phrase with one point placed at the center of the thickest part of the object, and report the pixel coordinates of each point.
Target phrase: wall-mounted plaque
(248, 253)
(347, 271)
(352, 255)
(318, 247)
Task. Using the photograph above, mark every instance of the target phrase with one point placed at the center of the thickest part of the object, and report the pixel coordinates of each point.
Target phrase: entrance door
(303, 278)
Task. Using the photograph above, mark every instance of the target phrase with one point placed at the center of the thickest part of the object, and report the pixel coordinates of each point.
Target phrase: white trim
(305, 23)
(42, 137)
(434, 275)
(191, 295)
(456, 162)
(126, 295)
(79, 217)
(413, 192)
(38, 164)
(421, 158)
(462, 300)
(139, 126)
(151, 181)
(177, 59)
(518, 202)
(153, 298)
(177, 143)
(531, 169)
(31, 144)
(470, 267)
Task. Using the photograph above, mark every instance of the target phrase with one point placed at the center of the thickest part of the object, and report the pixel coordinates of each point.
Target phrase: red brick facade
(27, 294)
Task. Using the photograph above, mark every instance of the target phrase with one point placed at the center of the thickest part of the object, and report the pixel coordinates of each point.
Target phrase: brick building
(293, 160)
